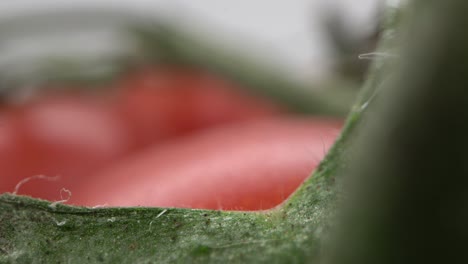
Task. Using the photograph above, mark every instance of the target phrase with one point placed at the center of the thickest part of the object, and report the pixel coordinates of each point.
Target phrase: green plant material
(407, 202)
(401, 157)
(167, 44)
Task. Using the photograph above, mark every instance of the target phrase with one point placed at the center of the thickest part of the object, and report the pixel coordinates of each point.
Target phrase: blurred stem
(411, 205)
(164, 44)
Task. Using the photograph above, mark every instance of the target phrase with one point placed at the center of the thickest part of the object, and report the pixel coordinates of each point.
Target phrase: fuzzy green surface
(35, 231)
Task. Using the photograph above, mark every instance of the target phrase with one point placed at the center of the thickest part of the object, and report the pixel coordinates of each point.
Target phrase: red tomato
(244, 166)
(240, 166)
(71, 135)
(165, 102)
(66, 136)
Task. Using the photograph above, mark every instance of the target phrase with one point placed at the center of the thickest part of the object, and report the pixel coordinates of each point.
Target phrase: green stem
(166, 44)
(408, 200)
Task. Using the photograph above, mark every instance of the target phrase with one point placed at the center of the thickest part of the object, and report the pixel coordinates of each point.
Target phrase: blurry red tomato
(243, 166)
(66, 136)
(163, 102)
(74, 134)
(205, 147)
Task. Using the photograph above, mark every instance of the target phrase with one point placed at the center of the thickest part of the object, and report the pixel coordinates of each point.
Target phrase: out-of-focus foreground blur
(219, 104)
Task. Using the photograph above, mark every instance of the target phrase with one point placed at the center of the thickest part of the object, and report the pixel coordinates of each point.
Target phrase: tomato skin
(65, 136)
(205, 148)
(244, 166)
(164, 102)
(74, 134)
